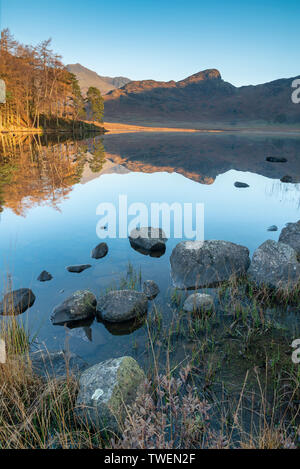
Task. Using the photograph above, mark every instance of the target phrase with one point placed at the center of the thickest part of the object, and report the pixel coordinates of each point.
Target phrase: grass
(222, 380)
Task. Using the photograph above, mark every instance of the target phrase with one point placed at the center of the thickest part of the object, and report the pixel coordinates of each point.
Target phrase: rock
(100, 251)
(78, 268)
(198, 302)
(78, 307)
(291, 235)
(44, 276)
(273, 228)
(286, 179)
(274, 159)
(151, 289)
(56, 364)
(241, 184)
(148, 240)
(105, 390)
(198, 264)
(122, 305)
(275, 266)
(17, 302)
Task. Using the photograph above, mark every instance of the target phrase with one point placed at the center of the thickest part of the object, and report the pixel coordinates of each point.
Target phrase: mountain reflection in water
(37, 170)
(50, 188)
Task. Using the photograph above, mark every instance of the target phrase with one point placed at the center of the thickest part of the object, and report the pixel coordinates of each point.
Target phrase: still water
(50, 190)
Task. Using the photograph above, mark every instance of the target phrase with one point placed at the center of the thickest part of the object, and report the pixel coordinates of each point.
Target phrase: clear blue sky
(249, 41)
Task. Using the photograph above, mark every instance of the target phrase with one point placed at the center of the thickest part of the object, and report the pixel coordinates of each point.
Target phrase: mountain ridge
(87, 78)
(203, 97)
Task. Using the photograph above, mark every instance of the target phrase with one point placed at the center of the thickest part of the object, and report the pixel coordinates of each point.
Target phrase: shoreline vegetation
(65, 126)
(218, 374)
(179, 404)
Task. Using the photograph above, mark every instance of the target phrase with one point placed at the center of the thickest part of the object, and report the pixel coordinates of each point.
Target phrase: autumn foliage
(40, 90)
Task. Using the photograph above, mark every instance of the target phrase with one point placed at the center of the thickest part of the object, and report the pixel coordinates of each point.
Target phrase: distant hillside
(87, 78)
(203, 97)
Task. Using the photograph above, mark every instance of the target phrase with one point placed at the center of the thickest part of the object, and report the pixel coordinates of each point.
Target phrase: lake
(50, 188)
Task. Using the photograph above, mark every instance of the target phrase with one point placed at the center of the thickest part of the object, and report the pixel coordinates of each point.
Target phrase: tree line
(40, 91)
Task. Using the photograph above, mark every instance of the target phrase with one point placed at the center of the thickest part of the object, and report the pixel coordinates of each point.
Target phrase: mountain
(203, 98)
(87, 78)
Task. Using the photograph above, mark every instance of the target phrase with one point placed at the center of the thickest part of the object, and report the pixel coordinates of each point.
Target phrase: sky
(248, 41)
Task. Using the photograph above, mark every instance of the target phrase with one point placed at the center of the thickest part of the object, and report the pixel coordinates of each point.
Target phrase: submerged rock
(287, 179)
(291, 235)
(148, 240)
(105, 390)
(100, 251)
(78, 268)
(198, 302)
(274, 159)
(79, 306)
(122, 305)
(17, 302)
(151, 289)
(241, 184)
(44, 276)
(273, 228)
(275, 266)
(81, 329)
(126, 327)
(57, 364)
(197, 264)
(146, 252)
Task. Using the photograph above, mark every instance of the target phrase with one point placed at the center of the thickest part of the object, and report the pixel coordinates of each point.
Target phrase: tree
(77, 99)
(39, 87)
(95, 104)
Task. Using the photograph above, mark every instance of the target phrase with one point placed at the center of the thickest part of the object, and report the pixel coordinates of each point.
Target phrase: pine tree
(95, 104)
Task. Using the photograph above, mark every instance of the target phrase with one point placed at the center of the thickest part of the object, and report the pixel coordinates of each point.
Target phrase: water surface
(49, 192)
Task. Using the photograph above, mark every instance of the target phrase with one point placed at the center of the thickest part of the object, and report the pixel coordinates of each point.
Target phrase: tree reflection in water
(38, 170)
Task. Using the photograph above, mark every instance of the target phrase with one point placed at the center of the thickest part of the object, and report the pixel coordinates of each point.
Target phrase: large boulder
(198, 264)
(17, 302)
(275, 266)
(105, 390)
(57, 364)
(122, 305)
(148, 240)
(291, 235)
(198, 303)
(79, 306)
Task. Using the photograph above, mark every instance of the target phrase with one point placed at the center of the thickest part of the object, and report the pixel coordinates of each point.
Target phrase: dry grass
(173, 409)
(167, 414)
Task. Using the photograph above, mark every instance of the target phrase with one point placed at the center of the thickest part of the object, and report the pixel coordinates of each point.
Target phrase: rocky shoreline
(194, 265)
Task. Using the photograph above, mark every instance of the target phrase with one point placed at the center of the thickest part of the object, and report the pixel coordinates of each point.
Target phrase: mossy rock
(105, 390)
